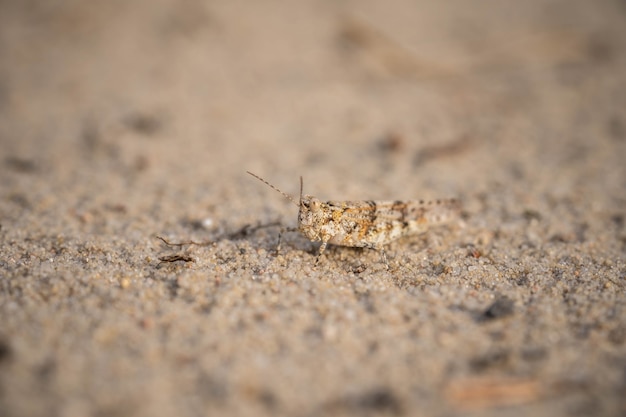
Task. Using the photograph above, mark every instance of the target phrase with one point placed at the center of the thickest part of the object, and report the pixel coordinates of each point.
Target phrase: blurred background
(122, 120)
(340, 92)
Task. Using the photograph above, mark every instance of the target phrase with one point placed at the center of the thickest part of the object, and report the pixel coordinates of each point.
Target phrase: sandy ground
(121, 121)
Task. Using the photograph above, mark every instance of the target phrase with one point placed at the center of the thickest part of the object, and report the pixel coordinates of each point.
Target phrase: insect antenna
(287, 196)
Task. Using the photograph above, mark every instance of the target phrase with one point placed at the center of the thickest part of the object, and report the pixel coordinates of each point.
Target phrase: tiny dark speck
(144, 124)
(380, 399)
(20, 165)
(502, 307)
(5, 350)
(617, 128)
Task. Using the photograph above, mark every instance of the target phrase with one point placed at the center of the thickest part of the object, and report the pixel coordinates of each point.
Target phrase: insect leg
(280, 236)
(381, 250)
(383, 255)
(321, 250)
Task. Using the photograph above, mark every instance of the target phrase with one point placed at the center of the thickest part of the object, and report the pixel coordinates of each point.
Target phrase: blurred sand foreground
(121, 121)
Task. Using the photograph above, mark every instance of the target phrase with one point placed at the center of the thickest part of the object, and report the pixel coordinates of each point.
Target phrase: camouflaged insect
(365, 224)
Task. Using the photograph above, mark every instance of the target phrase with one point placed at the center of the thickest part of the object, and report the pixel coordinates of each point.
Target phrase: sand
(124, 121)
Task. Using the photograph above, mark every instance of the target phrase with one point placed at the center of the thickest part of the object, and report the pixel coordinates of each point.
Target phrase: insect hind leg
(383, 254)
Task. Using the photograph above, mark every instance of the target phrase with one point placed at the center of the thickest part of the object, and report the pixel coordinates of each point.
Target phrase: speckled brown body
(366, 224)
